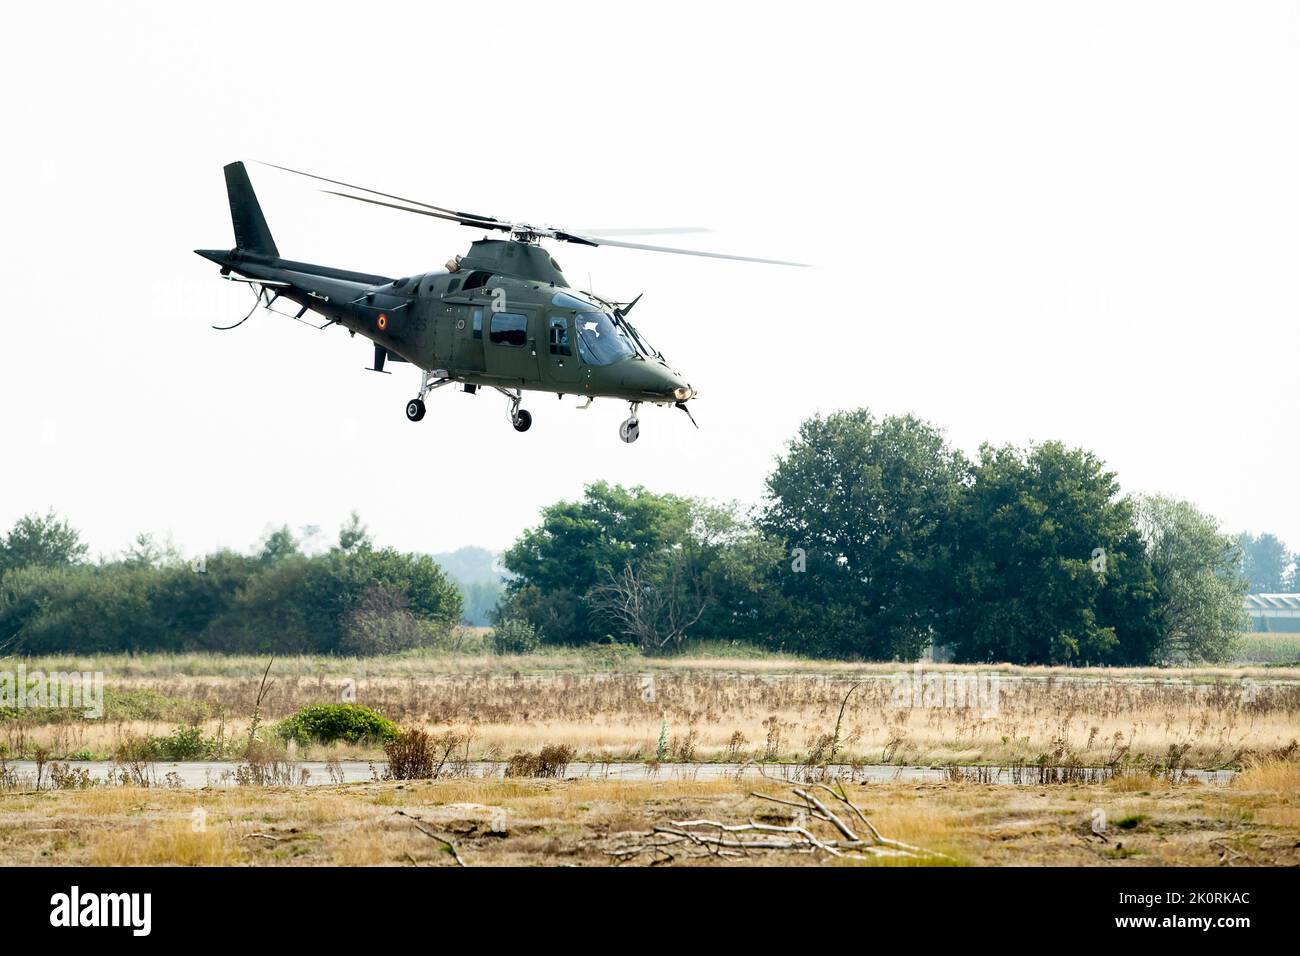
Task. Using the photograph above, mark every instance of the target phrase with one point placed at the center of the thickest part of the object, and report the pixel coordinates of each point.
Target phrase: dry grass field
(1147, 822)
(1142, 727)
(620, 708)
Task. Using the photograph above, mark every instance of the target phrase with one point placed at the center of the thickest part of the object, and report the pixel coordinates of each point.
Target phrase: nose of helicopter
(674, 385)
(656, 378)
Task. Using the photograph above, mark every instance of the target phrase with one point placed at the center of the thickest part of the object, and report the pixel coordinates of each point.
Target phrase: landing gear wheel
(523, 420)
(630, 430)
(415, 409)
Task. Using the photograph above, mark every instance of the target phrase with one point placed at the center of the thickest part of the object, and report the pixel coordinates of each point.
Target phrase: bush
(186, 743)
(552, 761)
(410, 756)
(329, 723)
(515, 636)
(611, 656)
(383, 624)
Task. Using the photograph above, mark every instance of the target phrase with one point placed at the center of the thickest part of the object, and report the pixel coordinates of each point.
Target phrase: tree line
(875, 540)
(353, 599)
(1268, 564)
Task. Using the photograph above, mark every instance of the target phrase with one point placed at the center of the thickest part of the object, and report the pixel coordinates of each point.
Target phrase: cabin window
(509, 328)
(560, 336)
(478, 323)
(452, 286)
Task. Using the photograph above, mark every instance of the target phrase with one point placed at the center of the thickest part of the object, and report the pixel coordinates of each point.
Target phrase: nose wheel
(630, 430)
(520, 418)
(415, 409)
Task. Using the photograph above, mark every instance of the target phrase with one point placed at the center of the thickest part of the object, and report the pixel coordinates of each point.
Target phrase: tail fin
(251, 231)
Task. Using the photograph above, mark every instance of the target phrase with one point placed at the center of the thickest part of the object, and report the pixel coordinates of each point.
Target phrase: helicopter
(502, 316)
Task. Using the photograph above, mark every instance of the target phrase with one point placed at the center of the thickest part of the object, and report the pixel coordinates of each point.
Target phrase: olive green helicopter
(502, 316)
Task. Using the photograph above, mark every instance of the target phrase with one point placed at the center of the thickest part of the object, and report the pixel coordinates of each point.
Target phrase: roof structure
(1272, 605)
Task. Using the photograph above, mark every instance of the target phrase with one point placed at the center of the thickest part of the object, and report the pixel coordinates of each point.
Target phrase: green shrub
(329, 723)
(609, 656)
(185, 743)
(514, 635)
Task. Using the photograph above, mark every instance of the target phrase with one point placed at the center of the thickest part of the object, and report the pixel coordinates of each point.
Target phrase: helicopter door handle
(532, 345)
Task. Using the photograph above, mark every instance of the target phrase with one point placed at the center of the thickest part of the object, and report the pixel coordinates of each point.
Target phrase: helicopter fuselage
(502, 316)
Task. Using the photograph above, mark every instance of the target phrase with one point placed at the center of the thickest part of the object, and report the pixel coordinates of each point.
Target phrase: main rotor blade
(464, 221)
(597, 241)
(376, 192)
(594, 238)
(654, 231)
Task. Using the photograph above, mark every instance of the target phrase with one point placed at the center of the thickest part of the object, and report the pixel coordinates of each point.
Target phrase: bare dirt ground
(1130, 821)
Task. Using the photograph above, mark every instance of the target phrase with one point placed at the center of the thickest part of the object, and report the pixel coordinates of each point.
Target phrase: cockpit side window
(559, 335)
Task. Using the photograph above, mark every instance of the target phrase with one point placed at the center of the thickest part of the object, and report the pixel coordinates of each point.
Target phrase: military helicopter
(502, 316)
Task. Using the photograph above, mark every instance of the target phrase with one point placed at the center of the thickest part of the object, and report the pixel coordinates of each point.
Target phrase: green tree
(1199, 582)
(278, 601)
(1264, 561)
(339, 602)
(740, 566)
(279, 544)
(145, 551)
(354, 535)
(558, 562)
(865, 508)
(81, 608)
(1051, 568)
(41, 540)
(382, 623)
(421, 583)
(654, 569)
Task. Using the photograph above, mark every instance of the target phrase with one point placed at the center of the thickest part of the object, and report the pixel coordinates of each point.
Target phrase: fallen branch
(451, 847)
(715, 838)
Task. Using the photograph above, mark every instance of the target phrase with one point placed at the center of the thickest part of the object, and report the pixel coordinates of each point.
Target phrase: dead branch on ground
(451, 847)
(702, 837)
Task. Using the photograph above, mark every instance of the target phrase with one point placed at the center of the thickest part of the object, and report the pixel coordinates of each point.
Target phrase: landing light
(683, 393)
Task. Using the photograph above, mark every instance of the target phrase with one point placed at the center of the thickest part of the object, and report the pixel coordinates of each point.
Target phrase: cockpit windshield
(642, 344)
(600, 341)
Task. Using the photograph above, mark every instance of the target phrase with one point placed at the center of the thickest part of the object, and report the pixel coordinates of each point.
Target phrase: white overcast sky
(1032, 221)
